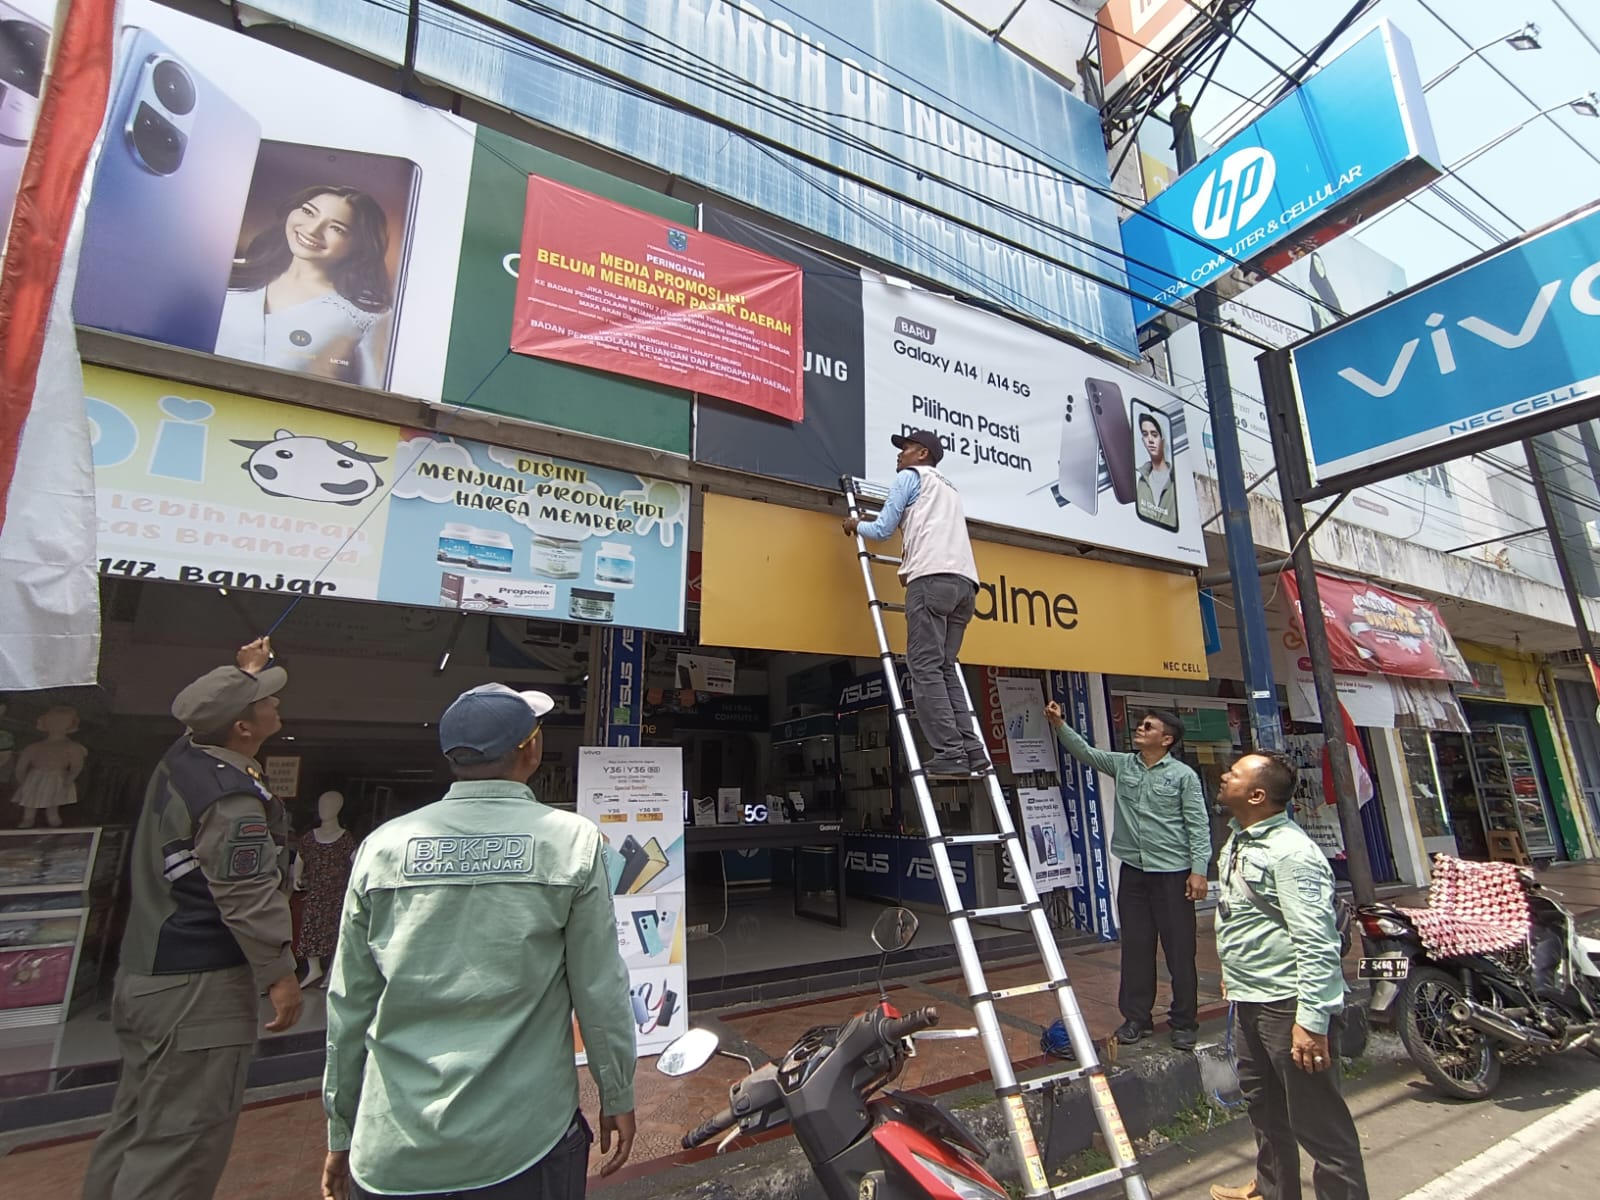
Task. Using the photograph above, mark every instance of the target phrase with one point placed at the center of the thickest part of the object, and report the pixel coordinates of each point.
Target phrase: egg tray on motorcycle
(1473, 908)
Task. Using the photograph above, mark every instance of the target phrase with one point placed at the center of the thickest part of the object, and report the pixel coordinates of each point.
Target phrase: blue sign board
(623, 698)
(918, 113)
(1499, 343)
(1356, 124)
(890, 867)
(1092, 907)
(1208, 622)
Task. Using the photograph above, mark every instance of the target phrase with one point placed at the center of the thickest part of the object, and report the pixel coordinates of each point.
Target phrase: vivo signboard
(1482, 356)
(1356, 132)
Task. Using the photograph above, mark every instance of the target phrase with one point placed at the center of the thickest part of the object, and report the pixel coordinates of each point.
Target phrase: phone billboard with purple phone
(168, 194)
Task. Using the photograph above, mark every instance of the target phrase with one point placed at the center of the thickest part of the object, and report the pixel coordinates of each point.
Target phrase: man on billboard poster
(941, 581)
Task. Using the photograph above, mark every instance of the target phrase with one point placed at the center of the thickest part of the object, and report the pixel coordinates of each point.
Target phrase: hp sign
(1234, 193)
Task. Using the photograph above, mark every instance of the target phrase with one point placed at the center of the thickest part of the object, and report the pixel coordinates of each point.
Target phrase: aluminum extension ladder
(1008, 1088)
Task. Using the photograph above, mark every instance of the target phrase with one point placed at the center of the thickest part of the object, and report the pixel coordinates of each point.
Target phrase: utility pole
(1558, 544)
(1243, 571)
(1288, 451)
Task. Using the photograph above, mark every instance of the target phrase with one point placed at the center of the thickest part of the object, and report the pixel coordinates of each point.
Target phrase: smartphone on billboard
(168, 193)
(1078, 477)
(1156, 486)
(24, 51)
(1111, 424)
(348, 214)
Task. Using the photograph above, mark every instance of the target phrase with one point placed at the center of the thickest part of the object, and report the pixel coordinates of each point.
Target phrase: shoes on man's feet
(1130, 1032)
(947, 764)
(1184, 1039)
(978, 760)
(1221, 1191)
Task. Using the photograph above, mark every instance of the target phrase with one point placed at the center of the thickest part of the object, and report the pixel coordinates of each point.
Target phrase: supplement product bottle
(557, 557)
(455, 543)
(614, 565)
(491, 550)
(589, 605)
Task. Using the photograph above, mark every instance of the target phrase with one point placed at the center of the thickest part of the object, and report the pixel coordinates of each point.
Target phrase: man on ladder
(941, 582)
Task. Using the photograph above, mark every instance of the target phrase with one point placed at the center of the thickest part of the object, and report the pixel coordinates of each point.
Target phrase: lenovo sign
(1480, 357)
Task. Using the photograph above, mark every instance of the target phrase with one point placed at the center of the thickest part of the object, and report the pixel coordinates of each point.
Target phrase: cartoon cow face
(312, 468)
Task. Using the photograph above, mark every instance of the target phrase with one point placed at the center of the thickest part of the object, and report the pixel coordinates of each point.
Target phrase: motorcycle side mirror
(687, 1053)
(894, 929)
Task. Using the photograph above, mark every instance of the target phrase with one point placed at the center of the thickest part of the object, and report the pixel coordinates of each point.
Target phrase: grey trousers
(1291, 1108)
(186, 1044)
(938, 609)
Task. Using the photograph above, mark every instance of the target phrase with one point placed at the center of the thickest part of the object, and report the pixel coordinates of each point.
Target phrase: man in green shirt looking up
(473, 929)
(1162, 839)
(1279, 948)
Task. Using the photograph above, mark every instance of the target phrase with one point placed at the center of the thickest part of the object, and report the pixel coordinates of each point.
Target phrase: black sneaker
(1184, 1039)
(978, 760)
(947, 764)
(1130, 1032)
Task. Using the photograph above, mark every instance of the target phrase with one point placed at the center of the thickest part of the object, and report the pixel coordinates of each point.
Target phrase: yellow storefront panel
(784, 579)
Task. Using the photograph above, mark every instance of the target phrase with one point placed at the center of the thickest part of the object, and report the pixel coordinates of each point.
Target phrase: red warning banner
(606, 286)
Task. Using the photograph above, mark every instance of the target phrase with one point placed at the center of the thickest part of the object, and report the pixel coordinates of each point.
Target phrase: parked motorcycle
(1459, 1017)
(863, 1145)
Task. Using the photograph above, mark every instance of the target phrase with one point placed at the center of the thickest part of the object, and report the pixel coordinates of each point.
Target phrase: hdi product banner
(635, 796)
(1037, 434)
(204, 486)
(605, 286)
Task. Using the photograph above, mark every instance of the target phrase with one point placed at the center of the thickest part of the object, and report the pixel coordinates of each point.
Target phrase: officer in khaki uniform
(208, 933)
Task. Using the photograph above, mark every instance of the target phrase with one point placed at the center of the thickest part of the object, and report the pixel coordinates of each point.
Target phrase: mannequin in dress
(325, 856)
(47, 771)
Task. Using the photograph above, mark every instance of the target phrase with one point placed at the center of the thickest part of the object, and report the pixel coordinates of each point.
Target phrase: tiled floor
(278, 1149)
(761, 932)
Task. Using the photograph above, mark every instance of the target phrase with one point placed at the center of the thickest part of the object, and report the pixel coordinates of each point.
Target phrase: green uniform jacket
(209, 870)
(1161, 815)
(472, 930)
(1276, 937)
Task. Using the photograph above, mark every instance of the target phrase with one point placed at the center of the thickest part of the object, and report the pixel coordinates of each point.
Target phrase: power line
(1060, 169)
(1532, 103)
(619, 82)
(1573, 21)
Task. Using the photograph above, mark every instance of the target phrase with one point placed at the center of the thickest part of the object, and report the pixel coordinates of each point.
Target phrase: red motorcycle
(863, 1142)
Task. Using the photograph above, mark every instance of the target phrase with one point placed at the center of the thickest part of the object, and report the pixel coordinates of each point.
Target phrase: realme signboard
(785, 579)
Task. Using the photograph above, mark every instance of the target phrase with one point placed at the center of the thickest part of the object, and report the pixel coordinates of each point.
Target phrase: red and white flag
(1358, 763)
(49, 586)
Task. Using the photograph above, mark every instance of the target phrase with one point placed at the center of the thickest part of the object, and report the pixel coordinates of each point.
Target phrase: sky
(1535, 175)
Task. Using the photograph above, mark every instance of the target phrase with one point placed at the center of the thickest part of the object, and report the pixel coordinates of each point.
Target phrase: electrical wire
(1573, 21)
(1031, 251)
(1534, 104)
(745, 93)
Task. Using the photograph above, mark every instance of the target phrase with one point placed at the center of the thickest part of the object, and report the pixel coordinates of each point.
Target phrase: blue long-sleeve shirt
(906, 488)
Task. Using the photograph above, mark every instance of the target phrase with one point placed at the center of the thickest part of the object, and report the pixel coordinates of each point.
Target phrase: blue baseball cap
(488, 722)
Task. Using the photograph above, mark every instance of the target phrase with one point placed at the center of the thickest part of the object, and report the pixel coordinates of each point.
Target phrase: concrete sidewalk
(279, 1146)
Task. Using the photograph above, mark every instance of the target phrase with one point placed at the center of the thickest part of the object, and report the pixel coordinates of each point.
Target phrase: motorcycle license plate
(1383, 968)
